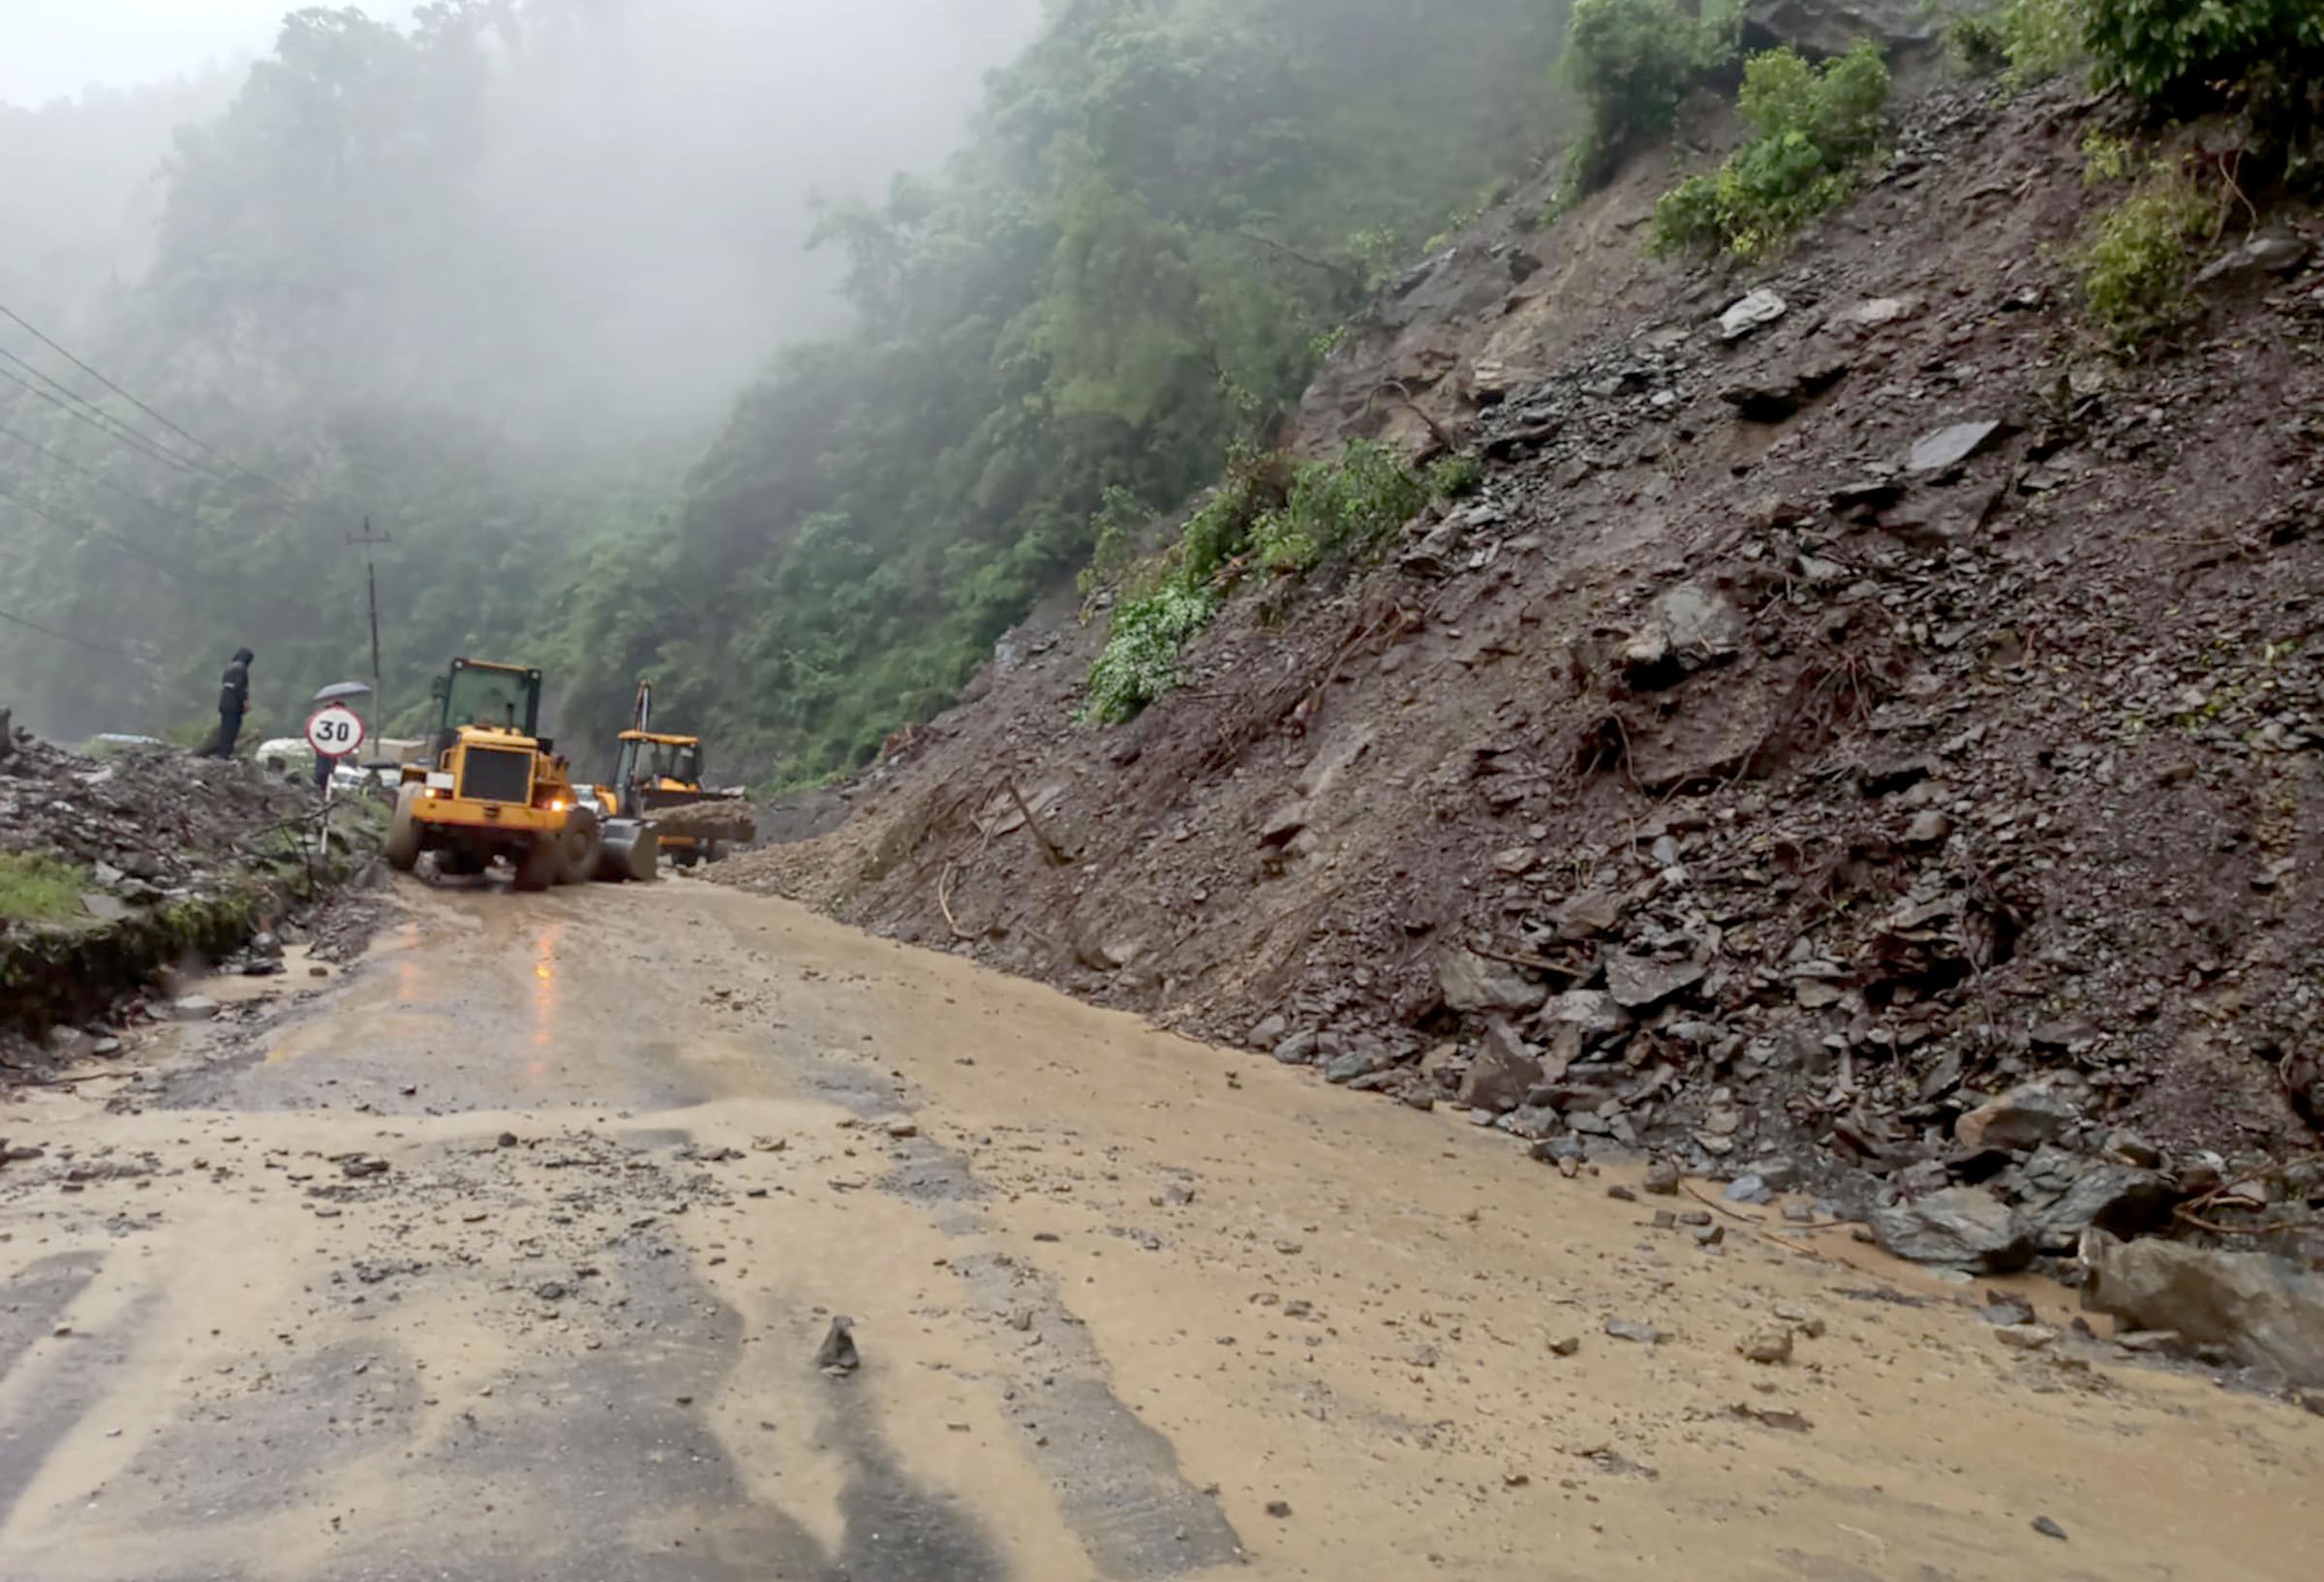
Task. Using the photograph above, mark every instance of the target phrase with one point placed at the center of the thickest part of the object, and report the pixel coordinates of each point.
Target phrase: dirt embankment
(116, 873)
(1836, 711)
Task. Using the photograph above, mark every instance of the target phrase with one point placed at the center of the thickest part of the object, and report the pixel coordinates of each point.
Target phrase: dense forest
(614, 319)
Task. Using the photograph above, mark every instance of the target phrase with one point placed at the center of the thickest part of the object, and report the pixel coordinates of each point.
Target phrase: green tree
(1632, 63)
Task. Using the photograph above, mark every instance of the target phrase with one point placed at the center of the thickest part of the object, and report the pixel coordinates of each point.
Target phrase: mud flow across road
(508, 1255)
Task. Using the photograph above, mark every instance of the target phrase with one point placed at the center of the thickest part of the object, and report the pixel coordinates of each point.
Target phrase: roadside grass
(37, 889)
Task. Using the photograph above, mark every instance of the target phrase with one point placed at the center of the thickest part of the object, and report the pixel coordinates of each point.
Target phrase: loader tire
(537, 869)
(402, 849)
(579, 848)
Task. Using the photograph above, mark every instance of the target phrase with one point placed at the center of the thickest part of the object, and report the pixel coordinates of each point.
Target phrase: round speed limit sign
(335, 731)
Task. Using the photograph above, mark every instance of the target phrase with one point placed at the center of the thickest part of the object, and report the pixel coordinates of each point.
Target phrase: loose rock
(2025, 1337)
(838, 1355)
(1638, 984)
(1471, 982)
(1753, 312)
(2023, 1117)
(1949, 447)
(1504, 1071)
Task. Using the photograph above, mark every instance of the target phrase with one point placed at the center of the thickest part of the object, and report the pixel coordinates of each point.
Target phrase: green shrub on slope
(2030, 40)
(2153, 48)
(2139, 256)
(1812, 128)
(1270, 515)
(1140, 661)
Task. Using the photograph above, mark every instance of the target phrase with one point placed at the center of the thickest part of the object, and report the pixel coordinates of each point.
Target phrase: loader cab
(474, 695)
(659, 763)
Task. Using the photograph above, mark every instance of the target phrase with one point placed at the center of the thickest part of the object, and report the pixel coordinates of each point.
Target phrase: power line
(146, 553)
(112, 428)
(96, 419)
(194, 440)
(57, 393)
(63, 636)
(95, 530)
(89, 472)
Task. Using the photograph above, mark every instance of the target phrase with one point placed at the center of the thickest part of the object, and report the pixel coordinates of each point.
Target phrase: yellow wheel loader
(658, 781)
(491, 785)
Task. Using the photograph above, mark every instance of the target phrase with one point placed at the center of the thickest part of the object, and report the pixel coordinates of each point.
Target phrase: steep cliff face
(1847, 699)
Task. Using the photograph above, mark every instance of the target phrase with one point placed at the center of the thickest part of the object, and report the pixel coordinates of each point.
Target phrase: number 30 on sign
(335, 732)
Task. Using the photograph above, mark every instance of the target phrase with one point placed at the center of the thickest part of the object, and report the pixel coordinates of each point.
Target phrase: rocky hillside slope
(115, 874)
(1856, 735)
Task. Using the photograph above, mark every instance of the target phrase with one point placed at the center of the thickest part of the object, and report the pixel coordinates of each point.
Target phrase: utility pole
(370, 581)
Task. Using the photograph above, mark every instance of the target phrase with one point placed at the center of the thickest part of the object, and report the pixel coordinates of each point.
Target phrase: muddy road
(507, 1255)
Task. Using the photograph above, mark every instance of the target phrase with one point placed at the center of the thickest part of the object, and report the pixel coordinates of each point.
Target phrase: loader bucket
(631, 851)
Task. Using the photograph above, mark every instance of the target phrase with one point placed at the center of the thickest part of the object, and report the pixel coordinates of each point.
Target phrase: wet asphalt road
(335, 1450)
(504, 1257)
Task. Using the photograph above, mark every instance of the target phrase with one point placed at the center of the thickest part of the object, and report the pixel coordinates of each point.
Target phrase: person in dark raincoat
(234, 703)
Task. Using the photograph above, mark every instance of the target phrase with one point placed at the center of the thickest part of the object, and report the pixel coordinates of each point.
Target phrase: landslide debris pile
(113, 869)
(1857, 736)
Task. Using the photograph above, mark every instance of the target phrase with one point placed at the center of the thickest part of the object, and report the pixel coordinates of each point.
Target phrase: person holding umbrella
(325, 763)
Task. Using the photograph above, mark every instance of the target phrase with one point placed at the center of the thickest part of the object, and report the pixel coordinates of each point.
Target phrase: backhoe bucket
(695, 818)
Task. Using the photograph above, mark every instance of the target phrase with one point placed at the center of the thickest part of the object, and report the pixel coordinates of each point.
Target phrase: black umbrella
(343, 689)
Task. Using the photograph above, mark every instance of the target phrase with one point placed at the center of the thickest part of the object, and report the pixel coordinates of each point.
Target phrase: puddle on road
(1107, 1273)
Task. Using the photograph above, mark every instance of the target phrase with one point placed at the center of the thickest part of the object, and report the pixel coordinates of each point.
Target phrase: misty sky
(50, 48)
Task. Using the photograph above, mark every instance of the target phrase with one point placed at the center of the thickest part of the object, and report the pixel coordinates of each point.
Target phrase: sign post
(333, 730)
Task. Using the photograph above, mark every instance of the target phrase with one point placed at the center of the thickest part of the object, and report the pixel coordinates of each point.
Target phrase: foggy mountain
(505, 246)
(82, 181)
(653, 169)
(528, 285)
(571, 211)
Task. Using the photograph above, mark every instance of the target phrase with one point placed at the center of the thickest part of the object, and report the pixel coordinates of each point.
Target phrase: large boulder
(2121, 1199)
(2265, 1311)
(1963, 1228)
(1829, 27)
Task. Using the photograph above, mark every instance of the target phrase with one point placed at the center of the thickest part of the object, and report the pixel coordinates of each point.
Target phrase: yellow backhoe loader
(657, 781)
(491, 785)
